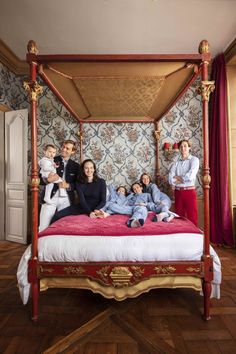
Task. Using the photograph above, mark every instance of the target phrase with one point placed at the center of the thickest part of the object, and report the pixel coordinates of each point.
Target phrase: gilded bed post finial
(33, 88)
(204, 47)
(205, 89)
(32, 47)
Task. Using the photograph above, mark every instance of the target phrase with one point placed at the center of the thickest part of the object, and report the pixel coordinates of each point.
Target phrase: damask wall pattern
(12, 93)
(121, 151)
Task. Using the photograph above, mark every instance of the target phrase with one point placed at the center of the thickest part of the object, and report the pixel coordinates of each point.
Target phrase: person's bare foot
(102, 214)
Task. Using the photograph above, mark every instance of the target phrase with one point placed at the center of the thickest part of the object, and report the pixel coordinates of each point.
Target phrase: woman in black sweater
(91, 191)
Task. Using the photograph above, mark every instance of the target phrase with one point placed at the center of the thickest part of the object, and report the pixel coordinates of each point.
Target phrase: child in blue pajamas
(118, 203)
(157, 201)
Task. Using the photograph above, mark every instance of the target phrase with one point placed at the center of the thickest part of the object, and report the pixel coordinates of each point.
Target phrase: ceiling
(117, 91)
(117, 26)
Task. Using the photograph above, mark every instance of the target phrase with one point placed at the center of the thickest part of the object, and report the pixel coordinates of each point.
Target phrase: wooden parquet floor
(78, 321)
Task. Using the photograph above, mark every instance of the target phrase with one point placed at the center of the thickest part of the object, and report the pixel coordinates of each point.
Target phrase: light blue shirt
(187, 169)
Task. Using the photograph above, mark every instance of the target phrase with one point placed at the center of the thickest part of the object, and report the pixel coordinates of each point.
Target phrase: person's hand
(52, 177)
(178, 179)
(63, 184)
(92, 215)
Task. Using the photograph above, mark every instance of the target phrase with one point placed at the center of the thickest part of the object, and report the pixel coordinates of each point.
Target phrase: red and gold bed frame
(119, 275)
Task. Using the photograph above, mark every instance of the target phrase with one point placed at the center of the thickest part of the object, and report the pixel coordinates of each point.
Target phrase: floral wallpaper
(12, 93)
(121, 151)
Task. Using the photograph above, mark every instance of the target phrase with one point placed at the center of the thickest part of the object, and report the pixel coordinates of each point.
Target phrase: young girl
(158, 201)
(48, 166)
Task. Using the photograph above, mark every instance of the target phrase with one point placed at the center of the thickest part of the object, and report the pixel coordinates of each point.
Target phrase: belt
(184, 188)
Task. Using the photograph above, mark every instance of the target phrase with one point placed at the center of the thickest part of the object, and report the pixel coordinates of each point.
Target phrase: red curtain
(220, 210)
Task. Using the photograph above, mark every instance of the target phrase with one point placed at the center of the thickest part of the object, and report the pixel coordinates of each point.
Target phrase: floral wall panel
(55, 123)
(12, 93)
(122, 151)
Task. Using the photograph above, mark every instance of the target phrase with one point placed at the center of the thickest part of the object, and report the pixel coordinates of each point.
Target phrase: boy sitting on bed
(117, 203)
(161, 208)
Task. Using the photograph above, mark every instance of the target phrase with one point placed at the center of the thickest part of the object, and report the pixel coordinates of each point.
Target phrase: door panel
(2, 178)
(16, 130)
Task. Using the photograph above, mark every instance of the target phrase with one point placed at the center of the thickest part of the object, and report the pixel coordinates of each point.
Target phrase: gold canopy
(118, 91)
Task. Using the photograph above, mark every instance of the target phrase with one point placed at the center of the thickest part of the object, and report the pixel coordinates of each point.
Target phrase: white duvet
(172, 247)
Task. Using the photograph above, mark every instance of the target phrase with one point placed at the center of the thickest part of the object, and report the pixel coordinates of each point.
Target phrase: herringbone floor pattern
(78, 321)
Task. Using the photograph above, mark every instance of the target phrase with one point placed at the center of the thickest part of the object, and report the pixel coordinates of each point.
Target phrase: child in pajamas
(157, 202)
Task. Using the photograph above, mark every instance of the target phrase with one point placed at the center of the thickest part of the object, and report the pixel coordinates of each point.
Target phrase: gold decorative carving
(46, 270)
(165, 269)
(35, 182)
(157, 134)
(191, 269)
(32, 47)
(103, 273)
(205, 89)
(74, 270)
(204, 47)
(80, 135)
(206, 179)
(137, 271)
(121, 276)
(33, 88)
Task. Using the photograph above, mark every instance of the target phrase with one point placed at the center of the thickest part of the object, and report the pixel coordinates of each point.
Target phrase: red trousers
(186, 204)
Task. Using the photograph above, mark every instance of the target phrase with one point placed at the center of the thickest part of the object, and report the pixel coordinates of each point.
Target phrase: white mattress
(172, 247)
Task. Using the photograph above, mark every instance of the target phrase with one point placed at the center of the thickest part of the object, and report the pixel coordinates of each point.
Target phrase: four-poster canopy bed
(124, 275)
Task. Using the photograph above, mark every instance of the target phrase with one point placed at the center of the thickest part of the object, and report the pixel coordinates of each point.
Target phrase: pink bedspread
(115, 225)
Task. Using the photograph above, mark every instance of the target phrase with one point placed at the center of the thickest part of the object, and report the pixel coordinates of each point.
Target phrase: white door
(2, 178)
(16, 139)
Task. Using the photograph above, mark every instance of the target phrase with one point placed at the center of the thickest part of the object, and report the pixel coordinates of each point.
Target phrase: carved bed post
(80, 134)
(34, 90)
(205, 89)
(157, 134)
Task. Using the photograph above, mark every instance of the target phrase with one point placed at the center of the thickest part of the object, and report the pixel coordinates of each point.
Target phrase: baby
(47, 166)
